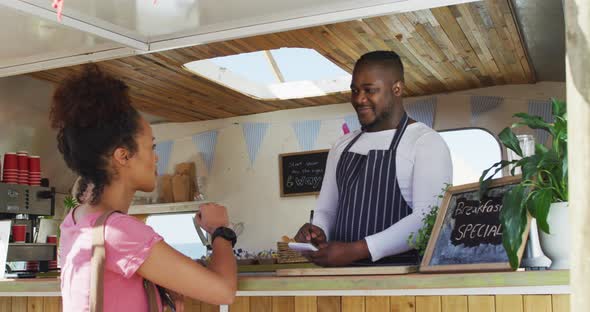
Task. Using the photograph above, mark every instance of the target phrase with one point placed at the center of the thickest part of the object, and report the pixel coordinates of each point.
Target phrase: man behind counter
(381, 180)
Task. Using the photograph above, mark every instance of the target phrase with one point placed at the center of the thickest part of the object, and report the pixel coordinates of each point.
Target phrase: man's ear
(121, 156)
(398, 88)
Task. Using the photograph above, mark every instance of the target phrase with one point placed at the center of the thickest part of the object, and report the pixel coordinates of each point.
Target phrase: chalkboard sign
(302, 173)
(467, 235)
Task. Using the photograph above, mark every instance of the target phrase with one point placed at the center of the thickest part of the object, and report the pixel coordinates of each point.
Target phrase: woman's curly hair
(93, 116)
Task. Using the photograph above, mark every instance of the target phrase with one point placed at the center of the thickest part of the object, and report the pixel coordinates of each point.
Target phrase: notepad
(302, 247)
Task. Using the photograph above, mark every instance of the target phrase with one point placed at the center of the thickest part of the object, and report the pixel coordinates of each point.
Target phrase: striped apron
(369, 197)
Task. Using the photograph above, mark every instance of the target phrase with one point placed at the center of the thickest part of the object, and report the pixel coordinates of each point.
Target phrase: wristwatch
(225, 233)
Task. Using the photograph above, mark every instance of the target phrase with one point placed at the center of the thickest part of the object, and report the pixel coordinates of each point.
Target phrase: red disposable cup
(19, 232)
(23, 162)
(34, 163)
(52, 239)
(10, 161)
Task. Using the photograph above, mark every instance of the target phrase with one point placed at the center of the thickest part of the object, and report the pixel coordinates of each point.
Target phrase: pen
(310, 223)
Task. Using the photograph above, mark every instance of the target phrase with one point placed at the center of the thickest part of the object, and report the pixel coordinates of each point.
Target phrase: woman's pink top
(128, 243)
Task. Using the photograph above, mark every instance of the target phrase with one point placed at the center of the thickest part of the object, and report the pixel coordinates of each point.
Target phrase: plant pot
(557, 244)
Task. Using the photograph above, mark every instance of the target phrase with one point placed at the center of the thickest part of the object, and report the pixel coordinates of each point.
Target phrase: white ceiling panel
(28, 39)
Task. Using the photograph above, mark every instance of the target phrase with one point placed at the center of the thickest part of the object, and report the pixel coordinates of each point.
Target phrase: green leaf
(559, 107)
(538, 206)
(484, 183)
(540, 149)
(533, 122)
(510, 140)
(514, 219)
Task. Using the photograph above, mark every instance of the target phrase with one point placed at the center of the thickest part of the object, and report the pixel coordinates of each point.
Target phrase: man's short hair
(388, 59)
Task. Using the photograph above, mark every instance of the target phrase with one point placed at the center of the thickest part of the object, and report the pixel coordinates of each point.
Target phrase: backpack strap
(97, 262)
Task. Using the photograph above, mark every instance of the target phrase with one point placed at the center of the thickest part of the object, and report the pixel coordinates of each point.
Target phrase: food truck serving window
(179, 232)
(472, 151)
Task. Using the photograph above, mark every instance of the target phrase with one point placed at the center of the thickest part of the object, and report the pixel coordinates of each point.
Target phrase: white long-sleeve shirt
(423, 164)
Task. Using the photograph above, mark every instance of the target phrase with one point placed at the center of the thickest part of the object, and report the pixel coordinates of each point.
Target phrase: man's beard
(378, 119)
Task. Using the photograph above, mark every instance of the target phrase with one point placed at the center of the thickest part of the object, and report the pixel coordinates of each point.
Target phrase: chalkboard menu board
(467, 235)
(302, 173)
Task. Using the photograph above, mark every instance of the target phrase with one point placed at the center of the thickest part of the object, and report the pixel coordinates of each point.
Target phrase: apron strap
(401, 128)
(352, 142)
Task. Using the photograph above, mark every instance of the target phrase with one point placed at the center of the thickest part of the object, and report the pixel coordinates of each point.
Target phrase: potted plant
(419, 240)
(542, 192)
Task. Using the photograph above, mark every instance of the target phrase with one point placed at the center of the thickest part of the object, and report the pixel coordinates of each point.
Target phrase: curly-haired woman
(111, 147)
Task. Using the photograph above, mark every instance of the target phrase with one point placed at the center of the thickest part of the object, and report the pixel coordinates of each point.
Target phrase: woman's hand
(211, 216)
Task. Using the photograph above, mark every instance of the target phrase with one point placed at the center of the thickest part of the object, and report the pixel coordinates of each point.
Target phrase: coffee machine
(25, 204)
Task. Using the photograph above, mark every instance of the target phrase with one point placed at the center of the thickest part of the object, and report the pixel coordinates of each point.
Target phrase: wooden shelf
(150, 209)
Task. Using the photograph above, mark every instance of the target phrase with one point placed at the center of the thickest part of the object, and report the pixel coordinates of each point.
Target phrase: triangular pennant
(352, 121)
(307, 132)
(205, 143)
(423, 111)
(483, 104)
(254, 133)
(163, 150)
(542, 109)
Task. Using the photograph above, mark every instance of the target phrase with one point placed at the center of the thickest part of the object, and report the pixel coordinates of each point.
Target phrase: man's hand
(339, 253)
(309, 233)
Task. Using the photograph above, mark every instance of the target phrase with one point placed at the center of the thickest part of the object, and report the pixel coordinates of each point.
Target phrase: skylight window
(286, 73)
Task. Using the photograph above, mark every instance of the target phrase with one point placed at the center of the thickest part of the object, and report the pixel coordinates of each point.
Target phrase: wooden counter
(487, 292)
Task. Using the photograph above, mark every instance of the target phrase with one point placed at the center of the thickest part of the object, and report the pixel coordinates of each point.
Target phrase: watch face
(229, 233)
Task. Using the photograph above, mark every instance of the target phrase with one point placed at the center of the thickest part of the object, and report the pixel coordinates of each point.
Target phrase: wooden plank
(537, 303)
(280, 304)
(403, 304)
(329, 304)
(560, 303)
(206, 307)
(34, 304)
(192, 305)
(443, 49)
(19, 304)
(261, 304)
(377, 304)
(385, 270)
(306, 304)
(51, 304)
(481, 303)
(6, 304)
(241, 304)
(428, 304)
(454, 304)
(353, 304)
(509, 303)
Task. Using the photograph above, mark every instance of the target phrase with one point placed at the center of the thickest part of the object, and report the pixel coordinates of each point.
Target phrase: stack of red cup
(34, 170)
(32, 266)
(52, 239)
(23, 167)
(10, 173)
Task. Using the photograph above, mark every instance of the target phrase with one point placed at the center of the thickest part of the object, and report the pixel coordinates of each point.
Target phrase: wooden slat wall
(505, 303)
(444, 49)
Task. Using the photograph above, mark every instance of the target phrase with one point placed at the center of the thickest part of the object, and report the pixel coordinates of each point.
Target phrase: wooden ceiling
(443, 49)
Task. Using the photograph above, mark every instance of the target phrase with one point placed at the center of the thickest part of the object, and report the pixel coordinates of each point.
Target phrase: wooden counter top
(511, 282)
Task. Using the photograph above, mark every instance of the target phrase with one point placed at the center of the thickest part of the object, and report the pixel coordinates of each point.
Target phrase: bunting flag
(543, 109)
(483, 104)
(205, 143)
(423, 111)
(254, 133)
(164, 150)
(352, 121)
(307, 132)
(345, 128)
